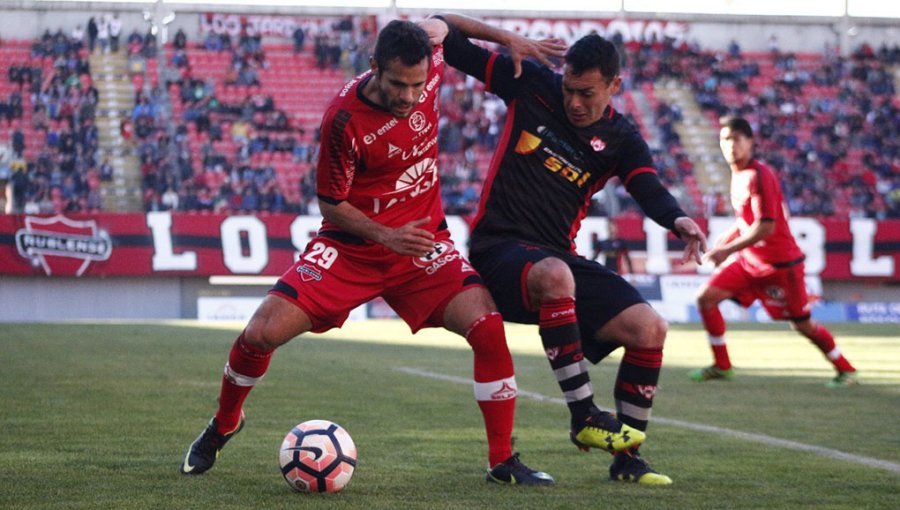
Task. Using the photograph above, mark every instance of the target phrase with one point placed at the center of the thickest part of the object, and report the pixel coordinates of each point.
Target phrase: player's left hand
(695, 241)
(435, 28)
(521, 47)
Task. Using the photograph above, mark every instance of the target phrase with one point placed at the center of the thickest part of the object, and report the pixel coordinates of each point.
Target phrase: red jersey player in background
(767, 263)
(383, 234)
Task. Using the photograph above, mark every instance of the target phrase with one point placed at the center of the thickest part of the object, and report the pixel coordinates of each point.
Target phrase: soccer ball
(317, 456)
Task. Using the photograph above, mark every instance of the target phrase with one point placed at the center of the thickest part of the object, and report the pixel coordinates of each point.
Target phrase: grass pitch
(99, 416)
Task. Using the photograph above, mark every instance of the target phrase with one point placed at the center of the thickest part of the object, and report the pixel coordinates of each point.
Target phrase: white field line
(699, 427)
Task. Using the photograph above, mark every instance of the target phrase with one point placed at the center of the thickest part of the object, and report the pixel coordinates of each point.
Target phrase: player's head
(400, 65)
(590, 79)
(736, 140)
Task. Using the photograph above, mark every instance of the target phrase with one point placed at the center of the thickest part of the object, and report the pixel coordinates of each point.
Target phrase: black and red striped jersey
(545, 170)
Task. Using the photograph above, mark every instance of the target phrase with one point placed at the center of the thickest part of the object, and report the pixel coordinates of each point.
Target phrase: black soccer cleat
(629, 466)
(513, 472)
(205, 449)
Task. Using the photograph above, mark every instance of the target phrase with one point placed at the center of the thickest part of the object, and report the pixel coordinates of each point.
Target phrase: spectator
(93, 32)
(103, 33)
(299, 37)
(115, 30)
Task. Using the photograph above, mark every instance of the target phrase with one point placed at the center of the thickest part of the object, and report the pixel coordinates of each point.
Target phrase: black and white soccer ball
(317, 456)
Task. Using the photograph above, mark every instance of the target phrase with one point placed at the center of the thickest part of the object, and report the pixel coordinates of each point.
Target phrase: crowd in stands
(827, 124)
(830, 125)
(50, 164)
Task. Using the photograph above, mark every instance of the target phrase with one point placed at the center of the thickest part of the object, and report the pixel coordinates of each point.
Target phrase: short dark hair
(738, 124)
(404, 40)
(593, 52)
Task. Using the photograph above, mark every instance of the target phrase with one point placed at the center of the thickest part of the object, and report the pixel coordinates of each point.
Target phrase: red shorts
(331, 278)
(782, 291)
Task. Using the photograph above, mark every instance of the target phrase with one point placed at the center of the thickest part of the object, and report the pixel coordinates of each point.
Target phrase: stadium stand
(47, 109)
(223, 127)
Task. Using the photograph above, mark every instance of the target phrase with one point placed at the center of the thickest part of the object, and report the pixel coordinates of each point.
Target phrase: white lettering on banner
(810, 237)
(303, 229)
(459, 232)
(258, 247)
(717, 226)
(254, 256)
(862, 263)
(657, 250)
(277, 26)
(571, 30)
(164, 258)
(591, 226)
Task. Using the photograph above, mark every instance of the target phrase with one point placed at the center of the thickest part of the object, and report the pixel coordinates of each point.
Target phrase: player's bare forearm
(520, 47)
(408, 239)
(737, 242)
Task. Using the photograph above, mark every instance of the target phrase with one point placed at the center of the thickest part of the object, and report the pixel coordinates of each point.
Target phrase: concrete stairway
(698, 136)
(110, 75)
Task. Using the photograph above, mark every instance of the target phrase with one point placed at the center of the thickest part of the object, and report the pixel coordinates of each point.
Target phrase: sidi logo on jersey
(560, 165)
(417, 179)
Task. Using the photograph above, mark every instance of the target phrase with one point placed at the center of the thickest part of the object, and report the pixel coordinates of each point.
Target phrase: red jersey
(385, 166)
(756, 195)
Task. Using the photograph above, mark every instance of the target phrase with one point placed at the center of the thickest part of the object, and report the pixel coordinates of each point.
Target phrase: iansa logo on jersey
(417, 179)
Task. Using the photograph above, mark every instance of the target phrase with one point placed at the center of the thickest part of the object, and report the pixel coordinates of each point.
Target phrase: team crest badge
(308, 273)
(597, 144)
(62, 246)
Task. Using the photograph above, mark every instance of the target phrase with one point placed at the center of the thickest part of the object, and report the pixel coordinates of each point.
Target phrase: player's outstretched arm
(520, 47)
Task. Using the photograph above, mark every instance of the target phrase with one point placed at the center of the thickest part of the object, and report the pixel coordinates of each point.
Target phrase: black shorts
(600, 294)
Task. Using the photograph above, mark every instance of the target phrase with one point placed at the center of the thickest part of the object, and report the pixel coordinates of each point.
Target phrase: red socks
(246, 366)
(495, 384)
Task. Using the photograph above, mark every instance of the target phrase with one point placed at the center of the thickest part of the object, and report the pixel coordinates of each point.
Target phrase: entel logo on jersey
(371, 137)
(62, 246)
(428, 88)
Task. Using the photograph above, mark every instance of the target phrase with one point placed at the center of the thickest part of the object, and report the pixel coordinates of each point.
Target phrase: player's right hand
(410, 239)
